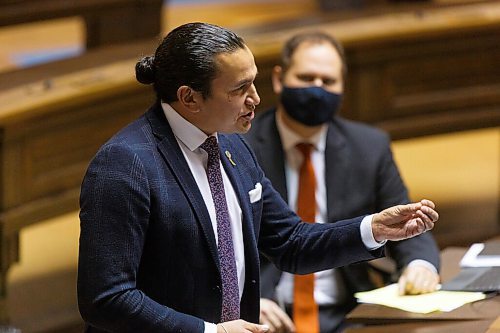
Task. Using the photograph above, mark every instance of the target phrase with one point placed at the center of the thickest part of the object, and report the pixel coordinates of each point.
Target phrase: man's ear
(277, 79)
(189, 98)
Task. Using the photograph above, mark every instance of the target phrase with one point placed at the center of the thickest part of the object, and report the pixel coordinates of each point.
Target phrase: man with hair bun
(175, 208)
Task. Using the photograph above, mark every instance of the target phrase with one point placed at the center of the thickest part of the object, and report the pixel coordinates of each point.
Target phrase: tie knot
(305, 148)
(210, 146)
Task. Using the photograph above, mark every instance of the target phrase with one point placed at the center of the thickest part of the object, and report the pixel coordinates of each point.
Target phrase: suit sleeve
(114, 220)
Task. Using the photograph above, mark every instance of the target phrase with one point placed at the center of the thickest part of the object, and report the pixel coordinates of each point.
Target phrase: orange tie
(305, 309)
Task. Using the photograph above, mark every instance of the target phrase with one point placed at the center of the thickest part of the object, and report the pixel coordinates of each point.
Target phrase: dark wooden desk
(107, 21)
(473, 317)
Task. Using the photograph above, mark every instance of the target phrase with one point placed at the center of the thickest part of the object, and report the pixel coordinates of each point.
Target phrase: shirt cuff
(367, 234)
(425, 263)
(210, 328)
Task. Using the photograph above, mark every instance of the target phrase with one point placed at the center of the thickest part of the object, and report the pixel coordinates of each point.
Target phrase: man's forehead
(309, 49)
(240, 56)
(239, 64)
(313, 54)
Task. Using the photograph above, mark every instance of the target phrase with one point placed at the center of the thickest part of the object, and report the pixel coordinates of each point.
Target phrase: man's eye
(242, 89)
(306, 78)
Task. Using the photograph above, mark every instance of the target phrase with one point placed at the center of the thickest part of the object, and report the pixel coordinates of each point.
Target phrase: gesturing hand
(404, 221)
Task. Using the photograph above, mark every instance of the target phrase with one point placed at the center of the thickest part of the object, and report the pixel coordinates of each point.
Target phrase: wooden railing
(107, 21)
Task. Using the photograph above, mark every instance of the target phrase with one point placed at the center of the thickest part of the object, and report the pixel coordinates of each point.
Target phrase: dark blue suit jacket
(148, 258)
(361, 178)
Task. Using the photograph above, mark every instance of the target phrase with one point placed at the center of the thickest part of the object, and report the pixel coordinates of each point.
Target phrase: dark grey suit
(361, 178)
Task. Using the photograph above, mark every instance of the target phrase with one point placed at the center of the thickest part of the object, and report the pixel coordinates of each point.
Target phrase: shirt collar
(190, 135)
(290, 139)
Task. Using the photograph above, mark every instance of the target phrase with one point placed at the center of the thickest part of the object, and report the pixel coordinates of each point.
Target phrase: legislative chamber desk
(434, 70)
(476, 317)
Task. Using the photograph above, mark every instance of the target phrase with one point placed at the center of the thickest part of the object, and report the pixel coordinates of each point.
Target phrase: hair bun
(145, 70)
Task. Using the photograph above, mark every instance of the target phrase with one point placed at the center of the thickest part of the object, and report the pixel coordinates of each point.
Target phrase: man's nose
(254, 95)
(318, 82)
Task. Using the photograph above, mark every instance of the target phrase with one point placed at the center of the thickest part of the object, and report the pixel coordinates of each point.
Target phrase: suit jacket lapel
(336, 171)
(237, 179)
(175, 160)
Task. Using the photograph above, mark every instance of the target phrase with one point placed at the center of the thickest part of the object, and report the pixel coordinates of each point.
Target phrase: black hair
(186, 56)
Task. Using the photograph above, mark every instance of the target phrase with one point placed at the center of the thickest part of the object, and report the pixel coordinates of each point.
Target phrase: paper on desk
(426, 303)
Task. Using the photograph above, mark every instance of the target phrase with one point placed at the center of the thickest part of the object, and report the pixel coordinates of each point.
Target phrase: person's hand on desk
(241, 326)
(274, 317)
(417, 279)
(404, 221)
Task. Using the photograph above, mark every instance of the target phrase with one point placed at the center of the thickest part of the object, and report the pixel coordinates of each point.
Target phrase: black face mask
(310, 106)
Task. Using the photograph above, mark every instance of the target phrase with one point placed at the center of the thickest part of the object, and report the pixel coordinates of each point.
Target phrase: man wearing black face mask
(350, 169)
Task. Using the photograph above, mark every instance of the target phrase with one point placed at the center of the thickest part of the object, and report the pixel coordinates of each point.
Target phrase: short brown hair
(314, 37)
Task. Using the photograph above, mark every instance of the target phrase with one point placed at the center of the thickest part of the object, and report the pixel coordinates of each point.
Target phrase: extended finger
(428, 203)
(405, 210)
(426, 220)
(431, 213)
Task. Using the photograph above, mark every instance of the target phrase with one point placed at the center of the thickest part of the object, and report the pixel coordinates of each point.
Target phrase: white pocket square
(256, 193)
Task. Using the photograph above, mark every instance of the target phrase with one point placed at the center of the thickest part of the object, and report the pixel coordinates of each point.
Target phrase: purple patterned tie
(230, 291)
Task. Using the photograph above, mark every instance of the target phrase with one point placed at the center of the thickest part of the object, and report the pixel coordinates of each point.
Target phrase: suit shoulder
(135, 131)
(359, 130)
(126, 144)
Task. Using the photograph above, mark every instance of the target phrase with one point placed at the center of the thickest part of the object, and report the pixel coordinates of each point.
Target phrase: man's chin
(238, 130)
(247, 124)
(241, 127)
